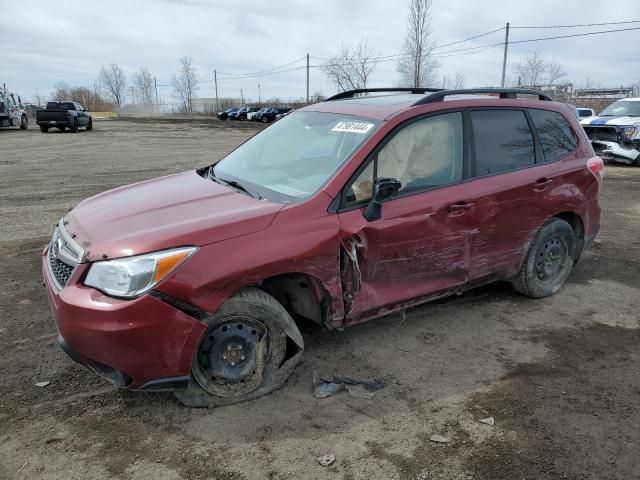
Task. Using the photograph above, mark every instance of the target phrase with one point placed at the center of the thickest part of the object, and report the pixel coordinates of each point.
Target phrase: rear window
(60, 106)
(556, 136)
(503, 141)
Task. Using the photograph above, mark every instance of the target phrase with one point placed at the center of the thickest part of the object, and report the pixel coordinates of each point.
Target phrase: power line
(261, 72)
(581, 25)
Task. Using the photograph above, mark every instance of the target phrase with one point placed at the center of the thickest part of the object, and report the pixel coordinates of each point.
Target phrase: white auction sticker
(352, 127)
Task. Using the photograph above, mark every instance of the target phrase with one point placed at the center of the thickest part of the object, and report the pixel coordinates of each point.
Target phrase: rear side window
(503, 141)
(556, 136)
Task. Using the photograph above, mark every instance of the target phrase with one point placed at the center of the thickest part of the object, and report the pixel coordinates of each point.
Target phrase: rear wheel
(90, 124)
(74, 127)
(62, 128)
(549, 260)
(24, 122)
(250, 348)
(44, 129)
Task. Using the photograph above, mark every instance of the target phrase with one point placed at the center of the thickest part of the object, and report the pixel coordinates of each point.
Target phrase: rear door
(514, 189)
(421, 244)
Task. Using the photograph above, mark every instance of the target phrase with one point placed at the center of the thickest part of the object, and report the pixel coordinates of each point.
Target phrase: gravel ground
(560, 376)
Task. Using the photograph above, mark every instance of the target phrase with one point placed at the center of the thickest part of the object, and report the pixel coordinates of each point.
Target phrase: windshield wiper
(233, 184)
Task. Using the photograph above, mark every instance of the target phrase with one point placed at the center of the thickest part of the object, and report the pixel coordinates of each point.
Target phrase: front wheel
(549, 260)
(249, 349)
(24, 122)
(264, 120)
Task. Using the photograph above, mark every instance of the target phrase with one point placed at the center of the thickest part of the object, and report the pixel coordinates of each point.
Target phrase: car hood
(166, 212)
(621, 121)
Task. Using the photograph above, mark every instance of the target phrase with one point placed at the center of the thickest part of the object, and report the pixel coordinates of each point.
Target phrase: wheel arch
(302, 295)
(577, 224)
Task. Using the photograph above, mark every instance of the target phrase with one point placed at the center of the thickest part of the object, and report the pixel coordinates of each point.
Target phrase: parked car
(615, 133)
(585, 112)
(341, 212)
(242, 113)
(12, 112)
(224, 115)
(252, 115)
(269, 115)
(63, 115)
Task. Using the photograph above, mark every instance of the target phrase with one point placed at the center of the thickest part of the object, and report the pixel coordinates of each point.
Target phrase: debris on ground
(323, 388)
(489, 421)
(439, 439)
(326, 460)
(42, 384)
(360, 391)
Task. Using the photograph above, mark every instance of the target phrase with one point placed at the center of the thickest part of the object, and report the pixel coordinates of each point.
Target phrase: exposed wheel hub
(551, 258)
(231, 357)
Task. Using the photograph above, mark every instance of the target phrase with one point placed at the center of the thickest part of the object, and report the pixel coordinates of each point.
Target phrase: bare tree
(185, 83)
(454, 83)
(418, 66)
(351, 67)
(60, 92)
(554, 71)
(113, 80)
(143, 84)
(530, 71)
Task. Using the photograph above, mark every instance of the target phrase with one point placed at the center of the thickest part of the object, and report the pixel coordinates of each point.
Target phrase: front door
(421, 245)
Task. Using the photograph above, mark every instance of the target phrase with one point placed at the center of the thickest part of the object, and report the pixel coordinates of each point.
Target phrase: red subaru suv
(370, 202)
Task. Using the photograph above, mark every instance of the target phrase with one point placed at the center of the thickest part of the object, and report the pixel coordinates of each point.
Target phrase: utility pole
(504, 60)
(259, 97)
(307, 78)
(241, 98)
(215, 80)
(155, 84)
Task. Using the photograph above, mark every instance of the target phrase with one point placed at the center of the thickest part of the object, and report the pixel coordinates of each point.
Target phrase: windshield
(622, 108)
(293, 158)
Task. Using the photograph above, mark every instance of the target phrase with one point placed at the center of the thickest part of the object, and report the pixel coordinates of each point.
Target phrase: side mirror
(383, 189)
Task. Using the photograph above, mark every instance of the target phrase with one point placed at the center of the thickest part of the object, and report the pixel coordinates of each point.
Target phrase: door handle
(459, 208)
(541, 184)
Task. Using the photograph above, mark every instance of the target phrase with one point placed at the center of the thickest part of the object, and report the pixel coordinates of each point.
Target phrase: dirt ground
(560, 376)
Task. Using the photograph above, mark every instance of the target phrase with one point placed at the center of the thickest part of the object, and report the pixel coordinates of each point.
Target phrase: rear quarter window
(555, 133)
(503, 141)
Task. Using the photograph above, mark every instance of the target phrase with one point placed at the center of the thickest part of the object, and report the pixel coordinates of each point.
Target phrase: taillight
(596, 166)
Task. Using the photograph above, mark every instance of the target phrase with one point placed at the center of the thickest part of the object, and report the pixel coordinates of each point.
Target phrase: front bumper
(137, 344)
(615, 151)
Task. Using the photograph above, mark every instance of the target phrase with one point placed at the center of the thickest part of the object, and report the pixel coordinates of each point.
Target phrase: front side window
(556, 136)
(423, 155)
(503, 141)
(293, 158)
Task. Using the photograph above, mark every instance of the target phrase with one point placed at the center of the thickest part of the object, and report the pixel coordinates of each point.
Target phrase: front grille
(605, 134)
(60, 270)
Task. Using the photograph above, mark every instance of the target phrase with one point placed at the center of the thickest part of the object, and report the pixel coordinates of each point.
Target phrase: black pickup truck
(62, 115)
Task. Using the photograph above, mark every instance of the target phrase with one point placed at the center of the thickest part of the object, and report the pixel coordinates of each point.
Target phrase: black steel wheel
(549, 260)
(249, 349)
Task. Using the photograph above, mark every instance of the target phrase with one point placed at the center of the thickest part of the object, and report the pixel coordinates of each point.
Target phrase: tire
(549, 260)
(74, 127)
(62, 128)
(24, 122)
(264, 120)
(90, 125)
(272, 343)
(44, 129)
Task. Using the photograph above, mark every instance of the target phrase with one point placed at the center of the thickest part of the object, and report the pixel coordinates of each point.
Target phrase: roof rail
(353, 93)
(501, 92)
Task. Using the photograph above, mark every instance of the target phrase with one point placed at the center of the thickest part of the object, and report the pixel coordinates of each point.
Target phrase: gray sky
(45, 43)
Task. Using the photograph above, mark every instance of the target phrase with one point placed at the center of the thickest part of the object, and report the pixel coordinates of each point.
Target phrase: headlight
(629, 133)
(132, 276)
